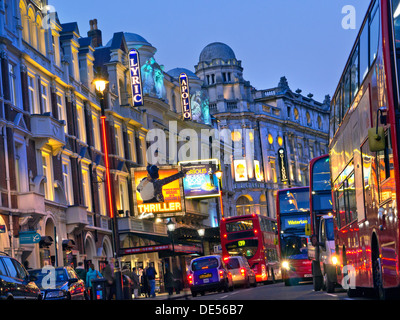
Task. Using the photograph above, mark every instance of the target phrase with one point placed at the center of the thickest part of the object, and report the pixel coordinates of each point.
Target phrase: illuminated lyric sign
(282, 165)
(136, 82)
(185, 96)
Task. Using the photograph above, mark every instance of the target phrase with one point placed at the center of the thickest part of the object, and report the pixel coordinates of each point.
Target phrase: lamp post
(201, 233)
(171, 229)
(100, 85)
(218, 174)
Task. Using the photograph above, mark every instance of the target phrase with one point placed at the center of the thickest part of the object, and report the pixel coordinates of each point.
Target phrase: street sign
(28, 237)
(2, 228)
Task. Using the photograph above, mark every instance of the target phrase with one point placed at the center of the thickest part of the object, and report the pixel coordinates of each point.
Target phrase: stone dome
(216, 50)
(177, 71)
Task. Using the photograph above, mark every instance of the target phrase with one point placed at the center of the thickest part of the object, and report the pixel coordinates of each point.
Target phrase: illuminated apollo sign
(136, 82)
(185, 96)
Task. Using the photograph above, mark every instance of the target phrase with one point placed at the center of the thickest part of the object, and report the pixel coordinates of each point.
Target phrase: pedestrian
(135, 283)
(127, 282)
(145, 284)
(92, 274)
(108, 275)
(151, 276)
(80, 271)
(178, 280)
(169, 281)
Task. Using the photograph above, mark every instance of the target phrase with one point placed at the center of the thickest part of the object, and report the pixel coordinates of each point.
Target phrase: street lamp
(100, 84)
(171, 229)
(201, 233)
(218, 174)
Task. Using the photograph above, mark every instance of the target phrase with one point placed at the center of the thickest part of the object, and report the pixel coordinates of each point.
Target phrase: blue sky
(302, 40)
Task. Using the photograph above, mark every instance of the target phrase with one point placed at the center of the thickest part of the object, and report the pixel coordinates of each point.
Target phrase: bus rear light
(255, 231)
(225, 235)
(226, 258)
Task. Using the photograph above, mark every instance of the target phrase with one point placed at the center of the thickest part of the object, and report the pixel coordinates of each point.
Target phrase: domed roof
(216, 50)
(177, 71)
(132, 38)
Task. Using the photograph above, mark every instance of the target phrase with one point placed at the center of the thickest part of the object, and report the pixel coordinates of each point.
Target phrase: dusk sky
(302, 40)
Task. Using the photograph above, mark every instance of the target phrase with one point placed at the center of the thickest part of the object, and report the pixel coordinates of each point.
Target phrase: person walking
(145, 284)
(169, 281)
(178, 280)
(92, 274)
(151, 276)
(80, 271)
(108, 275)
(135, 283)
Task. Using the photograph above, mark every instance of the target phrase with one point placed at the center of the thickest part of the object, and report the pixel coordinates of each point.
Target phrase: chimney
(95, 34)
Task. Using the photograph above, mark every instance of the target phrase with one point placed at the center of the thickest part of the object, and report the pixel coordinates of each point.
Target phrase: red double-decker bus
(254, 237)
(293, 215)
(364, 155)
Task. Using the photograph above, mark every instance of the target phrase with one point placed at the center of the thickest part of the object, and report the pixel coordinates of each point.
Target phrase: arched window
(24, 21)
(308, 118)
(32, 28)
(41, 35)
(319, 122)
(296, 114)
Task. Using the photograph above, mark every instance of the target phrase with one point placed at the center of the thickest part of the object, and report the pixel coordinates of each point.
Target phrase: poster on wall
(169, 203)
(200, 180)
(257, 170)
(240, 170)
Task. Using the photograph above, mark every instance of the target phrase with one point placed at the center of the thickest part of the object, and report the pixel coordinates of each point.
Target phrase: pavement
(184, 294)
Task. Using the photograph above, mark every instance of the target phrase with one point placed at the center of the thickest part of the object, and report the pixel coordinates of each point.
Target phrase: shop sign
(136, 82)
(185, 96)
(2, 228)
(28, 237)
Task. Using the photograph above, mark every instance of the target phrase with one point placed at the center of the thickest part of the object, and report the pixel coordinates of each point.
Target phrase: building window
(308, 118)
(45, 97)
(47, 172)
(96, 131)
(119, 141)
(123, 195)
(32, 93)
(319, 120)
(87, 194)
(273, 171)
(132, 147)
(81, 122)
(66, 169)
(296, 114)
(62, 113)
(21, 166)
(13, 83)
(56, 47)
(24, 21)
(102, 193)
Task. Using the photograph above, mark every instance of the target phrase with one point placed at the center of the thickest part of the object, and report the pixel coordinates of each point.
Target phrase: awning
(149, 236)
(68, 244)
(164, 250)
(45, 242)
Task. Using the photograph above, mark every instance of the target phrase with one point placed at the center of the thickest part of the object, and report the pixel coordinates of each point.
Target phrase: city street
(277, 291)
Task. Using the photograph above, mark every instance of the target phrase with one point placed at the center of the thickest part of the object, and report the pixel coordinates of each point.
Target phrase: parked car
(209, 273)
(15, 281)
(242, 274)
(62, 283)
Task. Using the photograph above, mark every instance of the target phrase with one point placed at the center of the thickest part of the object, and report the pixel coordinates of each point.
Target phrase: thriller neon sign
(136, 82)
(185, 96)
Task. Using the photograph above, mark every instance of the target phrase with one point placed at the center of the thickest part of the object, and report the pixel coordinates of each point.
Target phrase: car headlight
(55, 294)
(285, 265)
(334, 260)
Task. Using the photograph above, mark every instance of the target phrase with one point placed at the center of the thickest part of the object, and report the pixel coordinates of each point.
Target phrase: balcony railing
(48, 129)
(139, 225)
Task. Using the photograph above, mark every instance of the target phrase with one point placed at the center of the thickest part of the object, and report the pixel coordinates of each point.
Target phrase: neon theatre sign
(282, 165)
(134, 67)
(185, 96)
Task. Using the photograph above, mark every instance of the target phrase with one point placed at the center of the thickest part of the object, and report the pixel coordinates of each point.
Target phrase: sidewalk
(184, 294)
